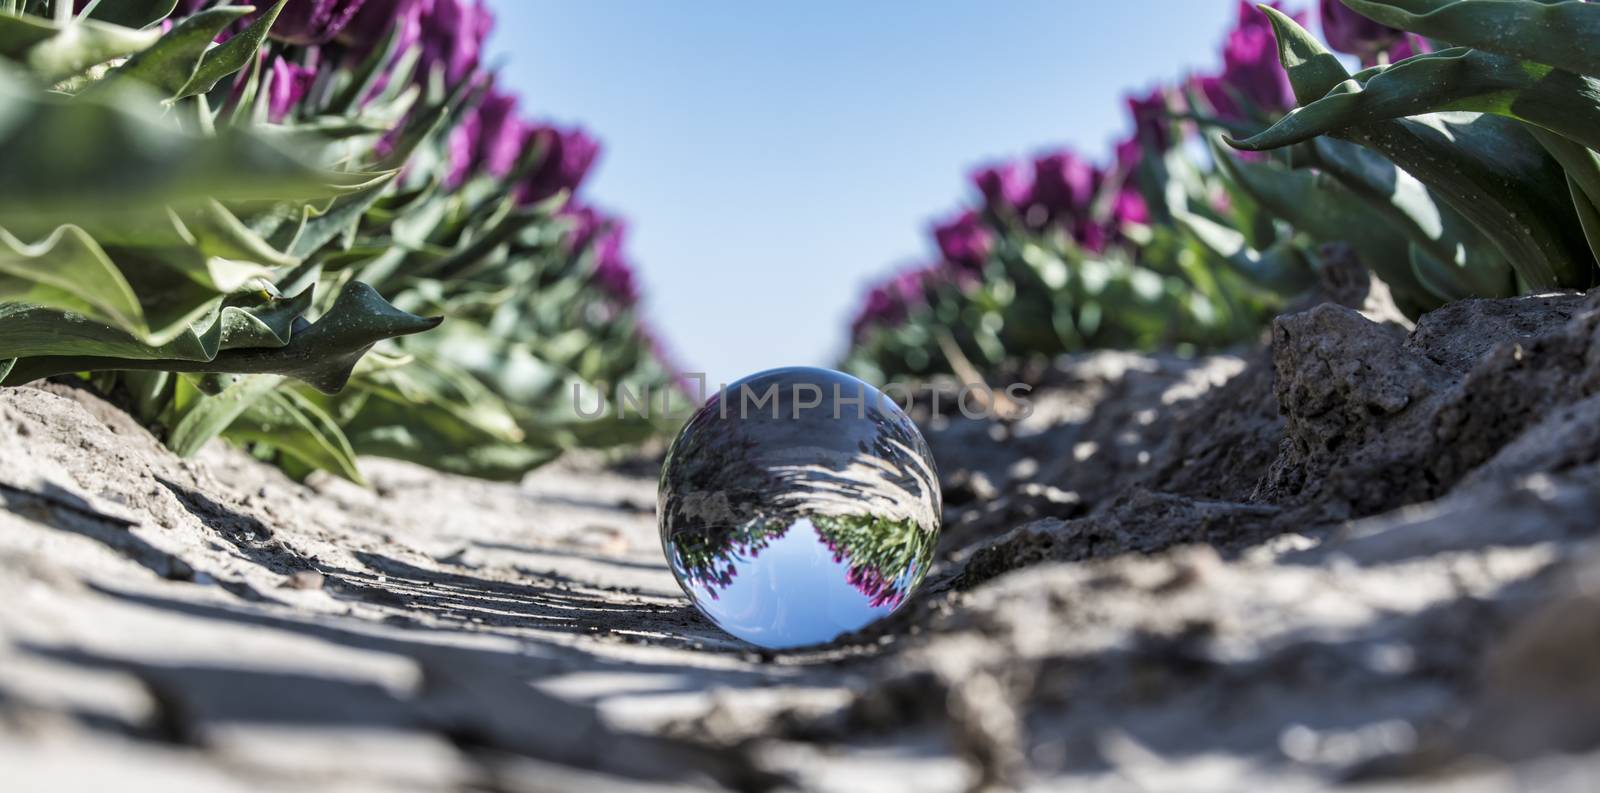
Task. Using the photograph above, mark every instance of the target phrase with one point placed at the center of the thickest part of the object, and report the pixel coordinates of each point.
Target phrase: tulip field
(241, 222)
(1451, 150)
(352, 163)
(318, 336)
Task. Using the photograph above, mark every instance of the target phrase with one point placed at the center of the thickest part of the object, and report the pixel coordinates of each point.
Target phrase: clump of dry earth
(1363, 555)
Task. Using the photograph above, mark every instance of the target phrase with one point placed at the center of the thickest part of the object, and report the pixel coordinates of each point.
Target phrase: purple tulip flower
(1250, 63)
(500, 134)
(462, 150)
(1063, 184)
(1003, 185)
(1348, 31)
(1129, 207)
(568, 155)
(1215, 91)
(489, 139)
(963, 241)
(1151, 119)
(372, 22)
(453, 33)
(287, 84)
(309, 22)
(612, 273)
(889, 302)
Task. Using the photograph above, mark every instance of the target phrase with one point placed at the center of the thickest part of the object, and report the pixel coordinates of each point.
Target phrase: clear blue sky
(773, 158)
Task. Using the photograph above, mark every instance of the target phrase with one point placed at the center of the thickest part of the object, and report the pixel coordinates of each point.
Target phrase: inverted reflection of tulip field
(789, 584)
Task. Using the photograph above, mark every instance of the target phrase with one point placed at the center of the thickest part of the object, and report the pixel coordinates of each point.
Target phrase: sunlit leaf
(1561, 34)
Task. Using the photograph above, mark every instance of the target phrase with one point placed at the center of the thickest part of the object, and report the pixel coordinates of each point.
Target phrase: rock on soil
(1359, 556)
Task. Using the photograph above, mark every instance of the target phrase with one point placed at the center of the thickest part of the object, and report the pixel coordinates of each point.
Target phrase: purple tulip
(501, 134)
(1129, 155)
(586, 224)
(568, 155)
(453, 33)
(1250, 63)
(963, 240)
(1063, 184)
(1152, 120)
(1003, 185)
(1129, 207)
(612, 272)
(462, 153)
(1348, 31)
(889, 302)
(1216, 94)
(308, 22)
(488, 139)
(1408, 45)
(372, 22)
(287, 84)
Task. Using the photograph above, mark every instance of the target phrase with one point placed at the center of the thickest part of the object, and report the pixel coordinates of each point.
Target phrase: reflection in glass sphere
(797, 505)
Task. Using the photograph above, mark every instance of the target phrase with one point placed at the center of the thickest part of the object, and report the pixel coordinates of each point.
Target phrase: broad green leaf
(322, 227)
(1581, 164)
(1320, 207)
(1313, 70)
(321, 354)
(1457, 260)
(133, 13)
(1562, 34)
(295, 426)
(172, 62)
(434, 435)
(66, 271)
(76, 158)
(39, 336)
(1454, 79)
(55, 52)
(232, 55)
(1282, 268)
(207, 416)
(1490, 169)
(1588, 215)
(1493, 172)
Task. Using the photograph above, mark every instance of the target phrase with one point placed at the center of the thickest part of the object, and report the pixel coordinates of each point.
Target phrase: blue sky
(774, 158)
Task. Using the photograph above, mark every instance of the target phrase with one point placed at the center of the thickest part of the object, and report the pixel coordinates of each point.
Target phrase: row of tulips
(1458, 162)
(248, 222)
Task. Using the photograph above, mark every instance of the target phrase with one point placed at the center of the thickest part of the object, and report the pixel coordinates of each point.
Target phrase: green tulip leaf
(1317, 205)
(321, 354)
(173, 61)
(1459, 261)
(230, 56)
(55, 52)
(293, 425)
(1561, 34)
(133, 13)
(1489, 169)
(1454, 79)
(205, 417)
(1282, 268)
(67, 271)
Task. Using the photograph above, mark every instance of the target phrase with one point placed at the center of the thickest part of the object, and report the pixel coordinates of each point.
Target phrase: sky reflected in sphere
(798, 505)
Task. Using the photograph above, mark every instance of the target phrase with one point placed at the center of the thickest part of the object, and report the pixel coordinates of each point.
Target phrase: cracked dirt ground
(1360, 556)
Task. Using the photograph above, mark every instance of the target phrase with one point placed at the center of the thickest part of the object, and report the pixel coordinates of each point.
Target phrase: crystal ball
(797, 505)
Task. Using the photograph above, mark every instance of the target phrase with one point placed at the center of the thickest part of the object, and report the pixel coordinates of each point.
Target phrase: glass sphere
(797, 505)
